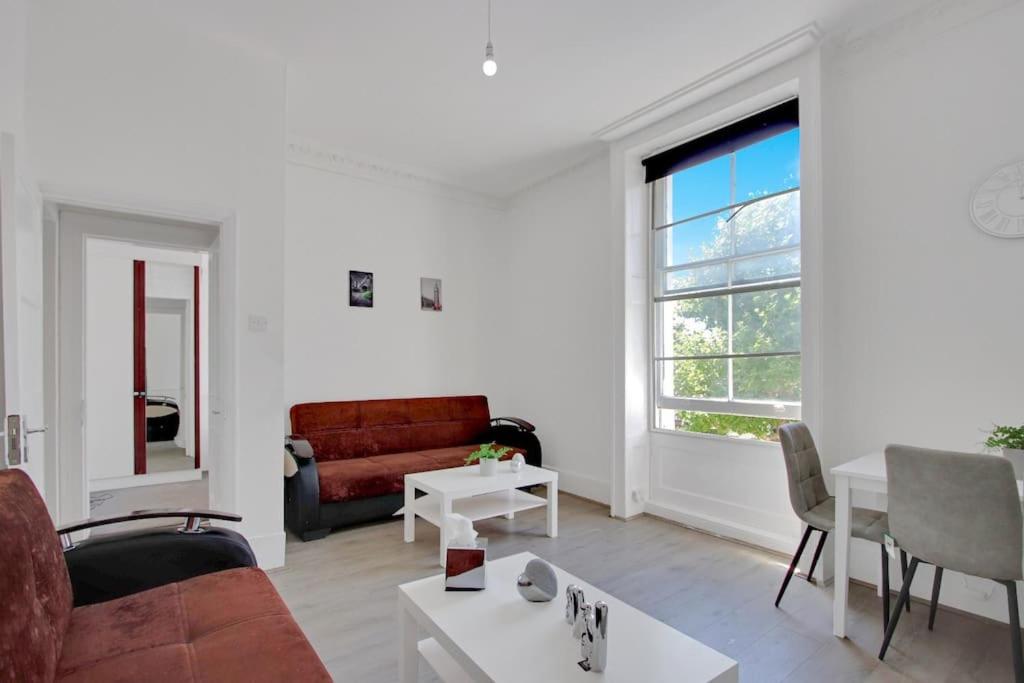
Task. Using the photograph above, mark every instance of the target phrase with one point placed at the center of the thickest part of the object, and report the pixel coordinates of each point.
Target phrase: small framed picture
(360, 289)
(430, 294)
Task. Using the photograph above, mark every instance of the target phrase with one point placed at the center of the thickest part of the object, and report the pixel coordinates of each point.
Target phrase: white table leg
(410, 516)
(842, 568)
(553, 509)
(446, 509)
(408, 653)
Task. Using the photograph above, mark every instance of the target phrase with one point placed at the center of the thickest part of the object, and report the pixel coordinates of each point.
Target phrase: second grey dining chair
(817, 509)
(959, 511)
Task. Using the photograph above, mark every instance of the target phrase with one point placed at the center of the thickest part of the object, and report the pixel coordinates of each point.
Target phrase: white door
(21, 334)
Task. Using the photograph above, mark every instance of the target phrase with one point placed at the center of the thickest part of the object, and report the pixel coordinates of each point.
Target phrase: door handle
(36, 430)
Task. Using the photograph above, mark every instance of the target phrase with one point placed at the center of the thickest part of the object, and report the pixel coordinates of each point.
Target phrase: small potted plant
(1011, 440)
(488, 454)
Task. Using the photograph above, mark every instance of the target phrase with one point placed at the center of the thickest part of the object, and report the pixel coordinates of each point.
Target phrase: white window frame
(659, 227)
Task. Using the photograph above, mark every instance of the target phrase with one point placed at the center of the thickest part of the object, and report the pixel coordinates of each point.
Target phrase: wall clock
(997, 206)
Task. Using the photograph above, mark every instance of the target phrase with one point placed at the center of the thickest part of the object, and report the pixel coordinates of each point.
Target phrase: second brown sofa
(351, 457)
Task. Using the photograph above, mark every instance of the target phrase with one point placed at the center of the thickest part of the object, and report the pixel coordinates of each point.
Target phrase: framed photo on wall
(430, 294)
(360, 289)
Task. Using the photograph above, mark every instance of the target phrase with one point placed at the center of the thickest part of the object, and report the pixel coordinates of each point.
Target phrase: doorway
(143, 428)
(146, 386)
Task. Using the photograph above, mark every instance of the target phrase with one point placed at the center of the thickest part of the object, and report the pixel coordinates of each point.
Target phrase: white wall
(923, 325)
(338, 223)
(13, 64)
(137, 113)
(552, 303)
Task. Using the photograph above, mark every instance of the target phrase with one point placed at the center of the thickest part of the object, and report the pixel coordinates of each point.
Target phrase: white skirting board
(723, 527)
(269, 549)
(582, 485)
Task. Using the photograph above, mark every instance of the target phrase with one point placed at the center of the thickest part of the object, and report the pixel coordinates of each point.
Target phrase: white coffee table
(495, 635)
(465, 491)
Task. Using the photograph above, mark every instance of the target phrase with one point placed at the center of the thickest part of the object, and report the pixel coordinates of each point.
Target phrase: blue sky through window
(769, 166)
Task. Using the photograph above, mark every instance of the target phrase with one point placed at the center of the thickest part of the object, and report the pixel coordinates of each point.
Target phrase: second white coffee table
(465, 491)
(495, 636)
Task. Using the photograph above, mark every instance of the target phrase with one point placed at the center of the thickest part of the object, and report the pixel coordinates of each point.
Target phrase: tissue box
(466, 568)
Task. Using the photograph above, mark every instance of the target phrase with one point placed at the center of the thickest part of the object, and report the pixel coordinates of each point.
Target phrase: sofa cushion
(379, 475)
(231, 625)
(35, 590)
(354, 429)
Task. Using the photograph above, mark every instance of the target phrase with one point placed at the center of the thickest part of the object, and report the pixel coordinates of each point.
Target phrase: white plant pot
(1016, 458)
(488, 467)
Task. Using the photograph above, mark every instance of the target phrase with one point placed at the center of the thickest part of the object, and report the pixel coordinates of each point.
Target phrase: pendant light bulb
(490, 66)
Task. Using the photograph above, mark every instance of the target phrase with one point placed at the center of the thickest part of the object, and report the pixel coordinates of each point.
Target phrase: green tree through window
(734, 340)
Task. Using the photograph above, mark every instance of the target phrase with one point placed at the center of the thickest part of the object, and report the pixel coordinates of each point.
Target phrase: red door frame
(139, 363)
(195, 362)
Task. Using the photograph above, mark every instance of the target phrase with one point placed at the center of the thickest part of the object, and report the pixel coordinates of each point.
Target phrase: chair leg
(885, 589)
(1018, 658)
(817, 554)
(894, 620)
(936, 587)
(903, 570)
(792, 565)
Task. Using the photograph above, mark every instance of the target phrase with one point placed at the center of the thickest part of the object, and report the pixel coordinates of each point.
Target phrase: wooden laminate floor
(342, 591)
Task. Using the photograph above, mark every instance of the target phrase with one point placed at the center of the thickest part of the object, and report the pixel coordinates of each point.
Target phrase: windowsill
(713, 437)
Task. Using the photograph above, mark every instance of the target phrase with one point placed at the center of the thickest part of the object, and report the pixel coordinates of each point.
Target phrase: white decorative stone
(538, 583)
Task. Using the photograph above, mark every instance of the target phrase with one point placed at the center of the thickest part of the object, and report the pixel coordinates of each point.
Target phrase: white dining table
(866, 473)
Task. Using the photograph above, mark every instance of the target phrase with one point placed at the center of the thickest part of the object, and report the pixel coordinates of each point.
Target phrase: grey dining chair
(958, 511)
(817, 509)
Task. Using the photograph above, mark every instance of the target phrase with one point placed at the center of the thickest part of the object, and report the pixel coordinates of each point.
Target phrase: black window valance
(725, 140)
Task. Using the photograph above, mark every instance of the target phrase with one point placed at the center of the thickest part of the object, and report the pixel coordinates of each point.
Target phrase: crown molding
(863, 44)
(313, 154)
(778, 51)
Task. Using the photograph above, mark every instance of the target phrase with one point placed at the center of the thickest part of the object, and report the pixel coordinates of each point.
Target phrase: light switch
(257, 323)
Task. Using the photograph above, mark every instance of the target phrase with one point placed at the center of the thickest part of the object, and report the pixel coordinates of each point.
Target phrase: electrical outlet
(257, 323)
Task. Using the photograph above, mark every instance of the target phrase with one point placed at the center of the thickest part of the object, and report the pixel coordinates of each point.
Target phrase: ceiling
(400, 80)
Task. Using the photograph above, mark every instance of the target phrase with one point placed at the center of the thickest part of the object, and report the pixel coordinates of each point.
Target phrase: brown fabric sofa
(224, 626)
(351, 457)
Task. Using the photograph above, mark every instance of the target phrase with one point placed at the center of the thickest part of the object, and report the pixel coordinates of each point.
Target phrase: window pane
(770, 267)
(698, 240)
(761, 428)
(768, 224)
(696, 378)
(696, 327)
(769, 166)
(766, 379)
(703, 277)
(701, 188)
(768, 321)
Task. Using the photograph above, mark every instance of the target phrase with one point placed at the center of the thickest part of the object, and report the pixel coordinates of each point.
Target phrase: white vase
(488, 467)
(1016, 458)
